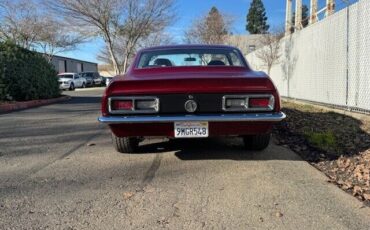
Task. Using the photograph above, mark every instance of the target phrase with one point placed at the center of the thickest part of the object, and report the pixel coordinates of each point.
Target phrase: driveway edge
(10, 107)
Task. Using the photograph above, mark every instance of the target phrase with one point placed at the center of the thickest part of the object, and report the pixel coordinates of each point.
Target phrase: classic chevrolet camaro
(190, 91)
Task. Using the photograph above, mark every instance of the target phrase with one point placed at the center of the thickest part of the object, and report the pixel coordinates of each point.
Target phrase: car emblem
(191, 106)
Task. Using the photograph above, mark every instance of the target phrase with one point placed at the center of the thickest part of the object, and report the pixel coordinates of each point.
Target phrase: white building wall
(314, 61)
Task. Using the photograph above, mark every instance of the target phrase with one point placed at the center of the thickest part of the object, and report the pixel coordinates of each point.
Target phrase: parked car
(71, 81)
(89, 79)
(107, 80)
(93, 78)
(190, 91)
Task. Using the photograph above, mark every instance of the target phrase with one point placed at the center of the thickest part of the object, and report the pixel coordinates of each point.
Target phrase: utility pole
(288, 17)
(313, 12)
(330, 7)
(298, 15)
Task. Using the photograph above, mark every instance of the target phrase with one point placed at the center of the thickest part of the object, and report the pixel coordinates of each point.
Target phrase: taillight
(122, 105)
(259, 102)
(236, 103)
(255, 102)
(132, 105)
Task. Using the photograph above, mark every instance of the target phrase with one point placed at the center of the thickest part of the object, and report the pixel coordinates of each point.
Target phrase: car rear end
(191, 102)
(234, 107)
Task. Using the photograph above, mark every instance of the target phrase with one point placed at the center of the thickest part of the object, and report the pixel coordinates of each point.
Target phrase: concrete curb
(90, 89)
(10, 107)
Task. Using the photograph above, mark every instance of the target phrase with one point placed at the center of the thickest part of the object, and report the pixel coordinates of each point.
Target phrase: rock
(261, 219)
(279, 214)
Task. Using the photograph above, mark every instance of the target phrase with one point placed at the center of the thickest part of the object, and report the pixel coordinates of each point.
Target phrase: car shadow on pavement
(84, 100)
(217, 149)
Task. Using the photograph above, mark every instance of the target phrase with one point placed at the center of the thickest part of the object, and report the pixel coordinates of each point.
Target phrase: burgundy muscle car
(190, 91)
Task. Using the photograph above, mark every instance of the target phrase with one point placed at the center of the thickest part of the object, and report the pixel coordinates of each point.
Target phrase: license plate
(191, 129)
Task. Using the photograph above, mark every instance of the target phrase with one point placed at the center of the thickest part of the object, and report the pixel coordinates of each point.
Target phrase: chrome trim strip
(263, 117)
(133, 99)
(247, 97)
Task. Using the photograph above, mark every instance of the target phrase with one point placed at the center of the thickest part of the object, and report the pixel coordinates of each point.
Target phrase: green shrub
(25, 75)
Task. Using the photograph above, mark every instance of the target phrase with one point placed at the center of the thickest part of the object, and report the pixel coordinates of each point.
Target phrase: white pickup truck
(71, 81)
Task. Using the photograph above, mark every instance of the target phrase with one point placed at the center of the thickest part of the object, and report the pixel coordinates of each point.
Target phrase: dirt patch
(335, 143)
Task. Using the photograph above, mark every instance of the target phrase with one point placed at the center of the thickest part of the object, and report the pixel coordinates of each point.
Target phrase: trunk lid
(191, 80)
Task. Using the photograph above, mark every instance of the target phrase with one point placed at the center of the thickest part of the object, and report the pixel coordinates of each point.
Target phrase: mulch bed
(335, 143)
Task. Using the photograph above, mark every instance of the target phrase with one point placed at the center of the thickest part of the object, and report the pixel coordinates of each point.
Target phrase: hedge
(25, 75)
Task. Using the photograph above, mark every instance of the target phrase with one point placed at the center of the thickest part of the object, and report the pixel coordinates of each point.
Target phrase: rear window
(87, 74)
(65, 76)
(190, 57)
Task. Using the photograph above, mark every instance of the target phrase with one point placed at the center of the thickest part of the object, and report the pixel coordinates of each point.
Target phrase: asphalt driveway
(58, 170)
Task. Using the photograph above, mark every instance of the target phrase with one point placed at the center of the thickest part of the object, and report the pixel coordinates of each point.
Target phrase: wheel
(83, 85)
(257, 142)
(71, 87)
(125, 144)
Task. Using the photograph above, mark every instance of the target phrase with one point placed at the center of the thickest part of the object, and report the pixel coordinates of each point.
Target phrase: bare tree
(56, 38)
(144, 18)
(23, 23)
(157, 39)
(93, 18)
(270, 52)
(210, 29)
(19, 22)
(121, 23)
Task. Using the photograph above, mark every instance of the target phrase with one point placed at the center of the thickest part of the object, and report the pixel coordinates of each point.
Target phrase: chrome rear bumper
(257, 117)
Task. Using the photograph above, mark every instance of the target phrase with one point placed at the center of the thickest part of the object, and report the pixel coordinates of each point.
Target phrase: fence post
(347, 56)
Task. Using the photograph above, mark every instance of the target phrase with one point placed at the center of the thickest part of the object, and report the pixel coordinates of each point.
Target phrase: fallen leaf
(357, 190)
(127, 195)
(366, 196)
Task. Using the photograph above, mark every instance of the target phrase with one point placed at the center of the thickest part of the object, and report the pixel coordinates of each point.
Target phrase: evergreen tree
(256, 18)
(305, 18)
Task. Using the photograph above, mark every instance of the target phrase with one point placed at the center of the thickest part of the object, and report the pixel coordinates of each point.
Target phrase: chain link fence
(327, 62)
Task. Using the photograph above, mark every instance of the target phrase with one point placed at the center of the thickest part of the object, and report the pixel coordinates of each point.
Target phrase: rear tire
(257, 142)
(125, 144)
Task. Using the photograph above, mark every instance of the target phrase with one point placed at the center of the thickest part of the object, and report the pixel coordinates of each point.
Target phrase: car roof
(195, 46)
(66, 73)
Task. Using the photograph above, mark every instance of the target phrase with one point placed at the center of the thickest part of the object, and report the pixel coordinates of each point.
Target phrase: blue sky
(188, 10)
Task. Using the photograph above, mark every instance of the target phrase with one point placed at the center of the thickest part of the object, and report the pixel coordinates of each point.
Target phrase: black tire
(257, 142)
(125, 144)
(83, 85)
(72, 87)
